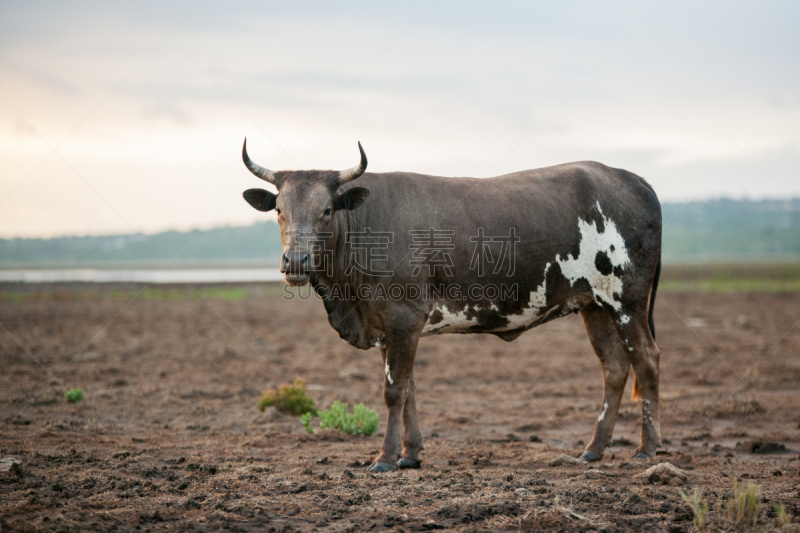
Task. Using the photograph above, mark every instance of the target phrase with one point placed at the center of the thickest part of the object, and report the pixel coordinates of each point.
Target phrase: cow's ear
(351, 198)
(260, 199)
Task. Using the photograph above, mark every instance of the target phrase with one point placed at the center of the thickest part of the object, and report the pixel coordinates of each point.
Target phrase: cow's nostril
(304, 261)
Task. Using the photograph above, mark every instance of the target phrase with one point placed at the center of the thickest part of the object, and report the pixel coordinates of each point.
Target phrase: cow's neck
(338, 290)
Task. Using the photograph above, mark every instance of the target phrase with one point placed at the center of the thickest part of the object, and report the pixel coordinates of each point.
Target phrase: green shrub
(74, 395)
(363, 420)
(289, 398)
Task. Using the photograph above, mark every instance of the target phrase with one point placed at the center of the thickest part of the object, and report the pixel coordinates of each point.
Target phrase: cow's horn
(263, 173)
(352, 173)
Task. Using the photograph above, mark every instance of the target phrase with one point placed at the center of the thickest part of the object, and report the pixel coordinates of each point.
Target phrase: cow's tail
(637, 393)
(653, 298)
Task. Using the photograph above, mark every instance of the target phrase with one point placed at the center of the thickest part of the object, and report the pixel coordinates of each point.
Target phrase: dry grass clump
(742, 511)
(744, 507)
(784, 519)
(557, 516)
(698, 507)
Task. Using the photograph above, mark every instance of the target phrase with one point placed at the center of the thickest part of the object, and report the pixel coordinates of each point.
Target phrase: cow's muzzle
(294, 266)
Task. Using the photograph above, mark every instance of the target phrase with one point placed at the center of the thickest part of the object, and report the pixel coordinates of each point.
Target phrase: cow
(573, 238)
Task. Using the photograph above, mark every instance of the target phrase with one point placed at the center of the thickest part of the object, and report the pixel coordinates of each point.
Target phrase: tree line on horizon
(712, 230)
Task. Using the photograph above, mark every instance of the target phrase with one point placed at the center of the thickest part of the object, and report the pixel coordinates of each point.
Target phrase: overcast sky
(121, 116)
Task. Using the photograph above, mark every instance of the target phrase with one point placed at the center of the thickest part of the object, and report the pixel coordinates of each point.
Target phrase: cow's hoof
(404, 463)
(641, 455)
(590, 456)
(381, 467)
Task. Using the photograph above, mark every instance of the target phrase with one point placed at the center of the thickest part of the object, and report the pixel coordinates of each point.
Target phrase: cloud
(699, 98)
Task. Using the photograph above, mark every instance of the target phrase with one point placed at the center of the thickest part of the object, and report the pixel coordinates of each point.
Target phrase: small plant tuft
(741, 511)
(744, 507)
(74, 395)
(289, 398)
(363, 420)
(698, 507)
(306, 421)
(784, 517)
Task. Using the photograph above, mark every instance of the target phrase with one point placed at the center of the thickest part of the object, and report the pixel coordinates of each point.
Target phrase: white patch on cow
(450, 322)
(624, 319)
(603, 414)
(453, 322)
(539, 296)
(646, 415)
(537, 305)
(378, 343)
(627, 344)
(604, 286)
(388, 373)
(647, 418)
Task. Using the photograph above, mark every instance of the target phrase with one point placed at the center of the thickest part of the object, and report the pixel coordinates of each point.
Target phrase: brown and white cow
(579, 237)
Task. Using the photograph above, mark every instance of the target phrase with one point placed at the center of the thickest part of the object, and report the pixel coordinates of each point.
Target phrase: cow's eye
(327, 212)
(278, 211)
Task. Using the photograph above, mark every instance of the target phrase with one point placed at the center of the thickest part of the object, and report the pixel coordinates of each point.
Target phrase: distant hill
(731, 230)
(246, 245)
(708, 231)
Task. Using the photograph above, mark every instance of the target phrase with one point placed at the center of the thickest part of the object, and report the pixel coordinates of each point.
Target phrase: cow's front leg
(398, 361)
(412, 436)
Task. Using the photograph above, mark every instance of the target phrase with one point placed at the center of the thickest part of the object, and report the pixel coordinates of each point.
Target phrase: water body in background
(185, 275)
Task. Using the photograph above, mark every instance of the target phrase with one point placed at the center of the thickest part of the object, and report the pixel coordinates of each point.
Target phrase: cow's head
(306, 205)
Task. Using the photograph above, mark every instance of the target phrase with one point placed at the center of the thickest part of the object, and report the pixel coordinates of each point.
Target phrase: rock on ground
(663, 473)
(7, 463)
(565, 459)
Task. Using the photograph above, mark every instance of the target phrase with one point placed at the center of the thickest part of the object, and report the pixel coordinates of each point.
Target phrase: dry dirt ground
(168, 436)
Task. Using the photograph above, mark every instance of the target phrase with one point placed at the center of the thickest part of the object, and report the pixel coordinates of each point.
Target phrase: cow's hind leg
(638, 342)
(398, 360)
(615, 364)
